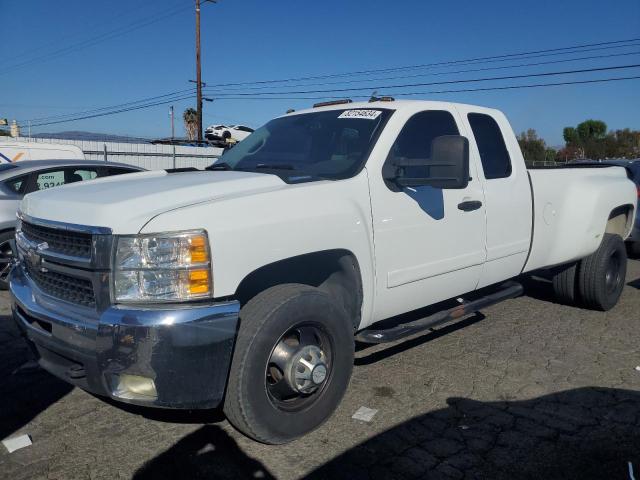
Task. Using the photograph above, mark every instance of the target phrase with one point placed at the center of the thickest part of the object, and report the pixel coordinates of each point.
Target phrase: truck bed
(571, 206)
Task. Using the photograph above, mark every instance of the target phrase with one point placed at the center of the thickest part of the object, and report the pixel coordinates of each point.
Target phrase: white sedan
(225, 133)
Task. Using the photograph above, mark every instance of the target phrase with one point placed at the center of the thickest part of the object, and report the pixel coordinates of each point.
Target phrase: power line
(101, 109)
(434, 64)
(180, 92)
(93, 41)
(60, 116)
(75, 34)
(601, 45)
(139, 107)
(433, 92)
(178, 95)
(408, 85)
(455, 72)
(513, 87)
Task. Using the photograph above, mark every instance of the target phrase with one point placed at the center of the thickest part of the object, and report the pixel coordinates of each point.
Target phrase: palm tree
(190, 117)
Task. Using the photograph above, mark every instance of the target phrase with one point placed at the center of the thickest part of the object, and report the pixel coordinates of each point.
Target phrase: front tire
(601, 275)
(291, 364)
(7, 253)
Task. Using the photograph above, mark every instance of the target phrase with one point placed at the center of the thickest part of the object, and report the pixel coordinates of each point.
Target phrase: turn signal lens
(199, 282)
(198, 249)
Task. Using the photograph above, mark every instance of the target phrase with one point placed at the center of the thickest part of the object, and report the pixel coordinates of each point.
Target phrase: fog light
(135, 387)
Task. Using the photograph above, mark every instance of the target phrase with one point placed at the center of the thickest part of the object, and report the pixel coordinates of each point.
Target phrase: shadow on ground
(635, 283)
(587, 433)
(22, 395)
(210, 453)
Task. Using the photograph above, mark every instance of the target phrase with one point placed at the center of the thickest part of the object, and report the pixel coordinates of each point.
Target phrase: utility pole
(198, 72)
(173, 133)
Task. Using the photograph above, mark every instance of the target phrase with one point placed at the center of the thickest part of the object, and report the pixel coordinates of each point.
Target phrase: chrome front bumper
(172, 356)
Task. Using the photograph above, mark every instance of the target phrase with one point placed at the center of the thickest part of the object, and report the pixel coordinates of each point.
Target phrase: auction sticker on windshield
(368, 114)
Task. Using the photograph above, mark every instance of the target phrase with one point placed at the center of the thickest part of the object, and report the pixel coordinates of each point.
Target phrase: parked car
(15, 151)
(634, 168)
(18, 179)
(224, 133)
(246, 285)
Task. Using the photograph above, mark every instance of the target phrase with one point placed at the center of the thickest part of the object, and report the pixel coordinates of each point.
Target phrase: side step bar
(506, 291)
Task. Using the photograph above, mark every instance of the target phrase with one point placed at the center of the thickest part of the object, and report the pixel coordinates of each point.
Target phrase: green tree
(570, 135)
(591, 130)
(551, 154)
(626, 143)
(534, 148)
(588, 140)
(190, 117)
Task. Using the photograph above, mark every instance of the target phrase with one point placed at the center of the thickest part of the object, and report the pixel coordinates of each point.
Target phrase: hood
(125, 203)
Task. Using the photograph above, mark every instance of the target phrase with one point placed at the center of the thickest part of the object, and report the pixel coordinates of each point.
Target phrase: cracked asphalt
(526, 389)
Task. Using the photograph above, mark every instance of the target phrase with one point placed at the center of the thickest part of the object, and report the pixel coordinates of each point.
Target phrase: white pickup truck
(248, 284)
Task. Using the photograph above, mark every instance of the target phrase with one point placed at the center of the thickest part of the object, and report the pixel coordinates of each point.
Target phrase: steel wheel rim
(6, 259)
(281, 361)
(613, 278)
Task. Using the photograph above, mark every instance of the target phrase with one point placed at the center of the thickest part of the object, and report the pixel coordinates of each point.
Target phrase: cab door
(507, 193)
(429, 242)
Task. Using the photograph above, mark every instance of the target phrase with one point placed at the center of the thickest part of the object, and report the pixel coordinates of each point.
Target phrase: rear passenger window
(493, 151)
(55, 178)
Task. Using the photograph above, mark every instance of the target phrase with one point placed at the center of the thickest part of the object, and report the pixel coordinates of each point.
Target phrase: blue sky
(248, 40)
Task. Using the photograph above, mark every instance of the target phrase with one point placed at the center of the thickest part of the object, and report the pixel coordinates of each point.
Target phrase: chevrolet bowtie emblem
(34, 258)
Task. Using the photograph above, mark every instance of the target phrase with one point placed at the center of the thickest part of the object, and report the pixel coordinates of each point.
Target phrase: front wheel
(602, 274)
(7, 253)
(291, 363)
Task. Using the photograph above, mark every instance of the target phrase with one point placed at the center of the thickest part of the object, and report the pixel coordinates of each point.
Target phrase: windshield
(329, 145)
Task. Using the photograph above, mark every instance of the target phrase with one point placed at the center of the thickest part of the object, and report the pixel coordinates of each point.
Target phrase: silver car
(18, 179)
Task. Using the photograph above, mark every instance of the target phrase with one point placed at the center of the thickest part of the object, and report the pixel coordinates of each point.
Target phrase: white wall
(146, 155)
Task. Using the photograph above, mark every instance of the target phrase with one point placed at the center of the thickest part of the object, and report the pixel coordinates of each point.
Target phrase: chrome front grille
(62, 286)
(65, 242)
(66, 261)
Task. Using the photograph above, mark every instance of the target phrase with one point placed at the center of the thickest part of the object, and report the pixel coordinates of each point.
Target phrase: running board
(506, 291)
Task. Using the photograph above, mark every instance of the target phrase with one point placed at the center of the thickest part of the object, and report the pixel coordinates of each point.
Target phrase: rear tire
(601, 275)
(565, 285)
(634, 249)
(266, 398)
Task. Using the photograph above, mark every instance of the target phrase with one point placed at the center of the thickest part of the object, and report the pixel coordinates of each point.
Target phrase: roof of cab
(394, 105)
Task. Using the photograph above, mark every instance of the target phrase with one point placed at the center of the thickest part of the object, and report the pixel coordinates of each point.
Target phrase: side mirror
(447, 168)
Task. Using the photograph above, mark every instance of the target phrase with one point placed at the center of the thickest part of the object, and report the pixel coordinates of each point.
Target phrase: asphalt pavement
(525, 389)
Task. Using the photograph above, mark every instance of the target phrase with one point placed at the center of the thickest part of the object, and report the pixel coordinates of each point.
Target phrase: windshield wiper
(274, 166)
(219, 166)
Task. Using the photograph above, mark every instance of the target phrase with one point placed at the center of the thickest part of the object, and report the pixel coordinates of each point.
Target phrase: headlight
(163, 267)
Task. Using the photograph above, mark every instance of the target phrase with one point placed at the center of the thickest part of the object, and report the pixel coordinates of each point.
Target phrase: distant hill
(91, 136)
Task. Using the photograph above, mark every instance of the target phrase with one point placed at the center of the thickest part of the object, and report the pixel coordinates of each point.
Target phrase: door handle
(469, 205)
